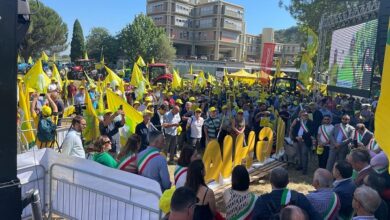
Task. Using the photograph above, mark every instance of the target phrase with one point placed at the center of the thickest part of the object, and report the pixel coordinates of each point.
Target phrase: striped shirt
(212, 125)
(321, 199)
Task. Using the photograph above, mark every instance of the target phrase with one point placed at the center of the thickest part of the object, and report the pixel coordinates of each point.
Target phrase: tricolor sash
(324, 134)
(146, 159)
(246, 213)
(359, 136)
(343, 131)
(286, 197)
(373, 145)
(333, 204)
(179, 171)
(304, 127)
(126, 161)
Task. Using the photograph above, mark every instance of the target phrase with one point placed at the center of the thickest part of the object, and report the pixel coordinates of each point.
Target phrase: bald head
(322, 178)
(292, 212)
(175, 110)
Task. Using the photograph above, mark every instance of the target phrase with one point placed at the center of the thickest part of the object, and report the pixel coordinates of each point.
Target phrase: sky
(116, 14)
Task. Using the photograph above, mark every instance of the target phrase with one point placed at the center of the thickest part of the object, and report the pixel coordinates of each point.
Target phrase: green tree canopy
(142, 37)
(309, 12)
(77, 46)
(99, 40)
(47, 32)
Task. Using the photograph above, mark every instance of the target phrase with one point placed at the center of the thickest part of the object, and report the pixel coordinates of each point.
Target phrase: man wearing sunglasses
(343, 135)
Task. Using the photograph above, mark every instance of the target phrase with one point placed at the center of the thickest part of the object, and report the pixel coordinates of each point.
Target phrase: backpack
(46, 130)
(275, 212)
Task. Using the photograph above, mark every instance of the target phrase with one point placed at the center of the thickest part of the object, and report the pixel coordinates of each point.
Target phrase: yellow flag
(306, 69)
(141, 62)
(44, 56)
(382, 120)
(36, 78)
(19, 59)
(26, 123)
(152, 62)
(312, 43)
(200, 81)
(225, 78)
(30, 60)
(191, 69)
(176, 81)
(86, 55)
(57, 75)
(54, 58)
(135, 75)
(112, 78)
(91, 132)
(132, 116)
(277, 72)
(68, 111)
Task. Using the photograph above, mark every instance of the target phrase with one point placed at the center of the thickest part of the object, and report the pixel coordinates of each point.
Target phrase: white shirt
(196, 127)
(329, 131)
(172, 119)
(72, 145)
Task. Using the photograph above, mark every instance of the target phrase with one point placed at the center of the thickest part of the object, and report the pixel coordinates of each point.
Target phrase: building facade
(212, 30)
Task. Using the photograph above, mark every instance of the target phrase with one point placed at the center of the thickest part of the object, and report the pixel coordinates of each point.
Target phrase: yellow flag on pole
(312, 43)
(132, 116)
(36, 78)
(135, 75)
(140, 62)
(86, 55)
(152, 62)
(176, 81)
(30, 60)
(56, 74)
(112, 78)
(44, 56)
(382, 120)
(26, 123)
(91, 132)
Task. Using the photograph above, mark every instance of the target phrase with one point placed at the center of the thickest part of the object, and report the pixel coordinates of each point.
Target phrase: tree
(290, 35)
(143, 38)
(77, 46)
(309, 12)
(99, 38)
(47, 32)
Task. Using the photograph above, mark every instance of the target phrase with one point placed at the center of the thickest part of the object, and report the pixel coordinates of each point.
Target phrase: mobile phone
(42, 94)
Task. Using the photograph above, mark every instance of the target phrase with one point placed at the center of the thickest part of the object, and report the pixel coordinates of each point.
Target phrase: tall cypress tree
(77, 44)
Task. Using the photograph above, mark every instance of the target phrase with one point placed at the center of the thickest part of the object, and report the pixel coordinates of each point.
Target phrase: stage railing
(71, 197)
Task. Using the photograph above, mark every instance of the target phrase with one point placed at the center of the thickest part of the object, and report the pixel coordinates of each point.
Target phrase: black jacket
(306, 135)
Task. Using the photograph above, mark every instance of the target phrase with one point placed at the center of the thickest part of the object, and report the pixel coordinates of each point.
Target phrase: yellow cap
(147, 112)
(150, 105)
(107, 111)
(93, 86)
(170, 93)
(20, 77)
(54, 79)
(212, 109)
(30, 90)
(81, 87)
(192, 99)
(198, 110)
(179, 101)
(46, 111)
(148, 99)
(136, 103)
(240, 111)
(224, 107)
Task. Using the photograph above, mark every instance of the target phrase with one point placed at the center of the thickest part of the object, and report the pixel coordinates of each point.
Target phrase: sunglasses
(107, 142)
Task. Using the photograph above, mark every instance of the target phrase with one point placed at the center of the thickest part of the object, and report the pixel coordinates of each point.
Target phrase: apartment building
(208, 29)
(287, 53)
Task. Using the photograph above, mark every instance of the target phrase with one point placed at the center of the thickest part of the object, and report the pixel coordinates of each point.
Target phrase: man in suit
(362, 135)
(343, 135)
(158, 117)
(344, 187)
(360, 161)
(270, 204)
(302, 133)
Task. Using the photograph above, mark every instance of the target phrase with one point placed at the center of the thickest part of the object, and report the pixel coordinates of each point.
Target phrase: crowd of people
(352, 178)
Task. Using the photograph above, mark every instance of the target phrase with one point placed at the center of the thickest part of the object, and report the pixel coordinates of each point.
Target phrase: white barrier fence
(76, 188)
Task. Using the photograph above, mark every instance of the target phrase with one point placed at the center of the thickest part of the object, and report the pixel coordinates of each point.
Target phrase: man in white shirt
(172, 120)
(73, 144)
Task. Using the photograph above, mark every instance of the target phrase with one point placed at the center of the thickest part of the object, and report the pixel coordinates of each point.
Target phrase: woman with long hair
(128, 155)
(102, 145)
(206, 208)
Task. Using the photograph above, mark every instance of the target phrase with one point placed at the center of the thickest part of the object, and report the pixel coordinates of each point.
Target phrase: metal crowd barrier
(35, 180)
(74, 199)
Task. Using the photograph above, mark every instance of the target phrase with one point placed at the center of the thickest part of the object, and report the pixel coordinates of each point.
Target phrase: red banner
(267, 57)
